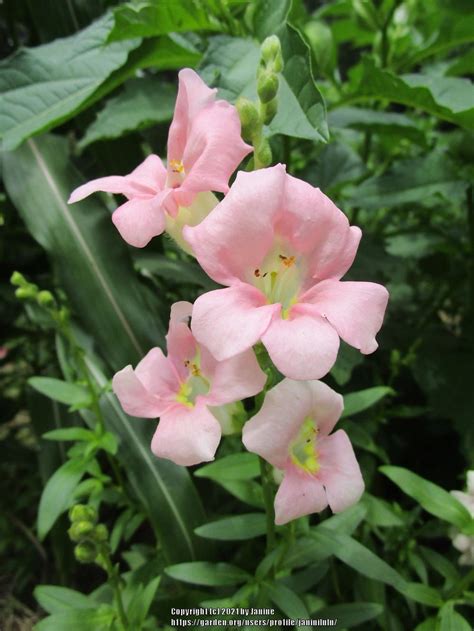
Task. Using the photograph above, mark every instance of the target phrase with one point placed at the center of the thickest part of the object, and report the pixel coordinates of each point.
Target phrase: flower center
(303, 452)
(176, 173)
(279, 278)
(195, 384)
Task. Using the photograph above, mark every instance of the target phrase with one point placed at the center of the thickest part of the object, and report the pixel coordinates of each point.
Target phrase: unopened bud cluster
(254, 115)
(86, 533)
(44, 298)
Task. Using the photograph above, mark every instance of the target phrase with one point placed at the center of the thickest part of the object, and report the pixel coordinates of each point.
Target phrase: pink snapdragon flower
(188, 390)
(291, 431)
(281, 246)
(204, 149)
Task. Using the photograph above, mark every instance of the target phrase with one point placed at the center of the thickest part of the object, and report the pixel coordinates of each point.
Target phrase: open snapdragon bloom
(189, 390)
(292, 432)
(204, 149)
(281, 246)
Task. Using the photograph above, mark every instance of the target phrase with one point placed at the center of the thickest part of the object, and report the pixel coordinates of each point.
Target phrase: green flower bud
(101, 533)
(263, 153)
(270, 48)
(18, 279)
(249, 118)
(80, 529)
(25, 292)
(85, 552)
(45, 298)
(81, 512)
(267, 87)
(270, 111)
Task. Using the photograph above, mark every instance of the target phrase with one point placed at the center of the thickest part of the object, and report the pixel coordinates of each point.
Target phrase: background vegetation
(375, 108)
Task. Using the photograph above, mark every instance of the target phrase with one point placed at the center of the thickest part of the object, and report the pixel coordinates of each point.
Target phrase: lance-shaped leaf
(44, 86)
(92, 261)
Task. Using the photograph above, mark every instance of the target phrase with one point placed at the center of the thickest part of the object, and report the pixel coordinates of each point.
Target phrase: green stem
(268, 501)
(115, 582)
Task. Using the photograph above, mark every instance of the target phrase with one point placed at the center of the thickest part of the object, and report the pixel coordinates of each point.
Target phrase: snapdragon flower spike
(184, 389)
(292, 432)
(281, 247)
(204, 149)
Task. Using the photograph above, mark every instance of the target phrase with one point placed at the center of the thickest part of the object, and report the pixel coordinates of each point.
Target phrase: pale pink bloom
(291, 431)
(465, 543)
(204, 149)
(281, 246)
(187, 390)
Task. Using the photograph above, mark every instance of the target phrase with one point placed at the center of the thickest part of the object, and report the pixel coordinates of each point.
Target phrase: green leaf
(108, 442)
(231, 63)
(57, 494)
(242, 466)
(175, 270)
(287, 601)
(423, 594)
(147, 19)
(427, 625)
(351, 614)
(210, 574)
(246, 491)
(62, 391)
(44, 86)
(376, 122)
(451, 620)
(140, 602)
(357, 556)
(347, 359)
(420, 180)
(92, 261)
(71, 433)
(164, 489)
(380, 513)
(54, 599)
(79, 620)
(448, 98)
(440, 564)
(236, 528)
(337, 165)
(269, 16)
(356, 402)
(347, 521)
(431, 497)
(143, 103)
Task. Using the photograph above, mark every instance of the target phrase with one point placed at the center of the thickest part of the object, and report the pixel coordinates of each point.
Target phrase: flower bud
(85, 552)
(100, 534)
(271, 50)
(45, 298)
(263, 153)
(249, 118)
(18, 279)
(270, 111)
(81, 512)
(267, 86)
(28, 291)
(80, 529)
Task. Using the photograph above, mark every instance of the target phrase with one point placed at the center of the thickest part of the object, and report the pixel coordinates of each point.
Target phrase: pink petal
(318, 229)
(157, 374)
(186, 435)
(180, 341)
(355, 309)
(214, 149)
(229, 321)
(235, 237)
(303, 347)
(270, 432)
(326, 406)
(139, 220)
(193, 96)
(134, 398)
(340, 471)
(145, 181)
(299, 494)
(234, 379)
